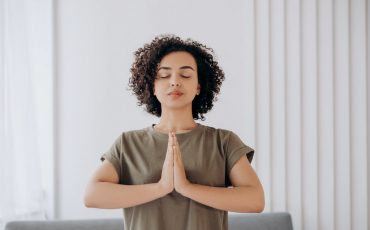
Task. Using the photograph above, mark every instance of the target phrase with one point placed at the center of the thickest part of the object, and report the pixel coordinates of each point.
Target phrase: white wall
(297, 84)
(95, 41)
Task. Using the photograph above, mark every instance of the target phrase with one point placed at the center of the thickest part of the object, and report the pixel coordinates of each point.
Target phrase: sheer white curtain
(25, 110)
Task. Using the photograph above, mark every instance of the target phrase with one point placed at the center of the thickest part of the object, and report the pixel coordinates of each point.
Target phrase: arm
(246, 196)
(103, 190)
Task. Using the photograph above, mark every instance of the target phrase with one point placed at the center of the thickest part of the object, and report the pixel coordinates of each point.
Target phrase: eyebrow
(182, 67)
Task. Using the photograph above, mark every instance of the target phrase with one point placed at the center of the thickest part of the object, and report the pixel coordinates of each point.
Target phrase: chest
(204, 162)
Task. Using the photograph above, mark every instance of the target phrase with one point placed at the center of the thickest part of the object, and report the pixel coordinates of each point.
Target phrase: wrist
(185, 188)
(163, 189)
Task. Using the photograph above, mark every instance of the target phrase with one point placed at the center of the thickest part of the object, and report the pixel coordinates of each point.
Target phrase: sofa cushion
(245, 221)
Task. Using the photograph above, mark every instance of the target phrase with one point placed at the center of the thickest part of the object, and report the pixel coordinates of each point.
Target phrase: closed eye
(164, 76)
(185, 76)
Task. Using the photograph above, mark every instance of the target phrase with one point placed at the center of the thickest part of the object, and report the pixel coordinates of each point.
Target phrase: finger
(174, 154)
(170, 144)
(174, 140)
(170, 152)
(177, 156)
(169, 155)
(174, 137)
(170, 140)
(176, 143)
(177, 147)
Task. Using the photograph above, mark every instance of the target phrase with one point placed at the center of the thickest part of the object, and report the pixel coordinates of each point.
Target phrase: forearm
(109, 195)
(235, 199)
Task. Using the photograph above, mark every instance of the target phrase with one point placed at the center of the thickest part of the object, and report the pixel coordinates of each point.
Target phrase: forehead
(178, 59)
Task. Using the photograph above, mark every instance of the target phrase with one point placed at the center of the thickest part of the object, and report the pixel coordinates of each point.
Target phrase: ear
(198, 89)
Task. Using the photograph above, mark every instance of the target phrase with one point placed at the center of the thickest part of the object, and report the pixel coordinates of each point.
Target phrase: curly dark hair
(144, 71)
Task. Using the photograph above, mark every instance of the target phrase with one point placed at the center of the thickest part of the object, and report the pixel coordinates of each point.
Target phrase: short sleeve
(114, 155)
(235, 149)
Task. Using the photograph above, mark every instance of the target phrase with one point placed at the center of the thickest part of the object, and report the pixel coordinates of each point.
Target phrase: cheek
(155, 87)
(196, 86)
(158, 88)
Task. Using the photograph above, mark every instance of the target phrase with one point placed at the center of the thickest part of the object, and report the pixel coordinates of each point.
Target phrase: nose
(175, 82)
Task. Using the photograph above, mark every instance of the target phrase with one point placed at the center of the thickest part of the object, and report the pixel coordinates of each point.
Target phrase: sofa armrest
(95, 224)
(260, 221)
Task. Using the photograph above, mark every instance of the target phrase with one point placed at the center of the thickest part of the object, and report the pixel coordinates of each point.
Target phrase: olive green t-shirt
(208, 155)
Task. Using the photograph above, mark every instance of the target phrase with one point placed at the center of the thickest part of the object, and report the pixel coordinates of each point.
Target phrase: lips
(176, 93)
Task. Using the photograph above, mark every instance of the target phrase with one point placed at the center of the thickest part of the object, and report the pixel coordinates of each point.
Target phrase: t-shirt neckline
(193, 131)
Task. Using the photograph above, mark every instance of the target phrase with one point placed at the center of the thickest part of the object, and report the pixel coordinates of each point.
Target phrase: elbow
(260, 204)
(88, 204)
(257, 207)
(88, 201)
(91, 202)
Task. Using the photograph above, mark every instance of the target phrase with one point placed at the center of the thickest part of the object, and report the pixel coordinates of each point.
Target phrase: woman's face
(176, 83)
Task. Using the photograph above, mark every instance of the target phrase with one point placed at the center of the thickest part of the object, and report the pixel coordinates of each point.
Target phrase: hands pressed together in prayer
(173, 171)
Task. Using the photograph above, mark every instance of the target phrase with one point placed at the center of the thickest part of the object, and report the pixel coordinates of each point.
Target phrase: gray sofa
(250, 221)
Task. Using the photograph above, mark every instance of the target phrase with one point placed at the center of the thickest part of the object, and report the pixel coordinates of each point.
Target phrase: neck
(177, 121)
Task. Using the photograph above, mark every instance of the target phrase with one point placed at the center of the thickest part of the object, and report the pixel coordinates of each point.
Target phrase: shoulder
(134, 134)
(130, 135)
(219, 132)
(225, 137)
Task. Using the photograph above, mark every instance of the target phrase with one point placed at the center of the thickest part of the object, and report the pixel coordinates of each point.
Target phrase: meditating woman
(176, 174)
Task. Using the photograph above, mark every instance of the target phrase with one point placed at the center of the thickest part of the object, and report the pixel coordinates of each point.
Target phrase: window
(26, 110)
